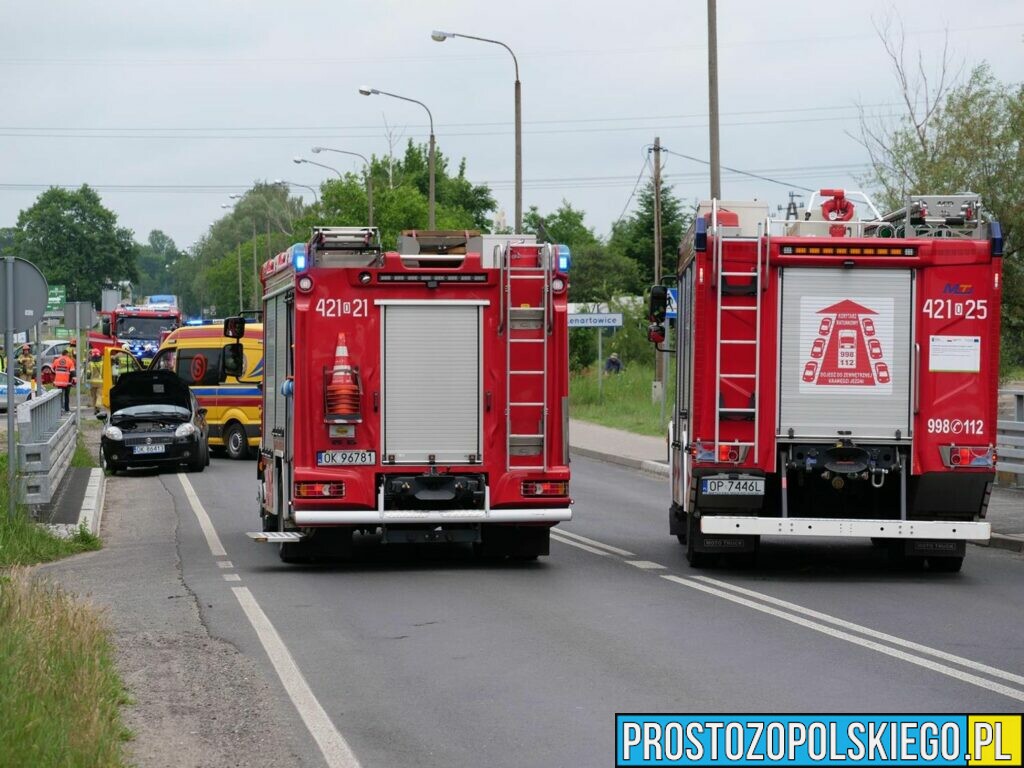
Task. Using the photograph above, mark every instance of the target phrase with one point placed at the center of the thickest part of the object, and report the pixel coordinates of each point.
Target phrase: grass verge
(624, 403)
(23, 542)
(83, 456)
(59, 689)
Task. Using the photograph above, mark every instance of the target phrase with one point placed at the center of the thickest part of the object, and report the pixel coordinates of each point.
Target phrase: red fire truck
(143, 328)
(836, 376)
(421, 394)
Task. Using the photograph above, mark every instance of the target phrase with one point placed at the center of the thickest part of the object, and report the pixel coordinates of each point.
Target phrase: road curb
(1010, 542)
(92, 504)
(651, 467)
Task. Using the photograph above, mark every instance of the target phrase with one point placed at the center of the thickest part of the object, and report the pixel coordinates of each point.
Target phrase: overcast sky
(168, 107)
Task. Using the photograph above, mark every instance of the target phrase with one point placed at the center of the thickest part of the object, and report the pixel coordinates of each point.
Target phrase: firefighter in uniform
(26, 363)
(95, 378)
(64, 374)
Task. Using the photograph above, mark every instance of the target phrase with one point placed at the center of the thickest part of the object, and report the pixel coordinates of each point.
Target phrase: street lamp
(374, 92)
(296, 184)
(369, 175)
(300, 160)
(440, 37)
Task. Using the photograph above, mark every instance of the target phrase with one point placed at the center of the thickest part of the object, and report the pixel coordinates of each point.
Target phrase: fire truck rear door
(432, 381)
(845, 353)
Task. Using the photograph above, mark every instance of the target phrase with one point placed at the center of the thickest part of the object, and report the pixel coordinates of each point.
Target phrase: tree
(634, 237)
(75, 241)
(153, 262)
(400, 198)
(598, 274)
(966, 136)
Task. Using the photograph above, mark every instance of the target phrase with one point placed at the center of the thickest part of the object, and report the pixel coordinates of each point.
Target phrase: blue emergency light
(299, 257)
(564, 258)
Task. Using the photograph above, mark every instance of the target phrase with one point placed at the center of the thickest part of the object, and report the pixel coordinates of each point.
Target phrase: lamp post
(316, 197)
(369, 175)
(440, 37)
(300, 160)
(374, 92)
(229, 206)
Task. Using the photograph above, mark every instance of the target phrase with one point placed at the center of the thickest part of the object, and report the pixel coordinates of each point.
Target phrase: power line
(737, 170)
(636, 186)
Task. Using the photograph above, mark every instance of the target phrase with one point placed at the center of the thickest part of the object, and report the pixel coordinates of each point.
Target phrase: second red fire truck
(419, 394)
(836, 376)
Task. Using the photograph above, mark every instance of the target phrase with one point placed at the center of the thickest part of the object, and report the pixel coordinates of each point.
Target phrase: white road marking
(225, 564)
(232, 577)
(333, 746)
(591, 542)
(993, 671)
(839, 634)
(212, 539)
(646, 565)
(571, 543)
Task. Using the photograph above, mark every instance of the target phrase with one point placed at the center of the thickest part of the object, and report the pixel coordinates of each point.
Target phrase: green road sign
(55, 299)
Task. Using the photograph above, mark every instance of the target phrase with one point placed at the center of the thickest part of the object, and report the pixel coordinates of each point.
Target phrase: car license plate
(723, 486)
(155, 448)
(346, 458)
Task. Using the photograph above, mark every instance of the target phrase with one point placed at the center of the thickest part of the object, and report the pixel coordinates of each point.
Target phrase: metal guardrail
(46, 443)
(1010, 439)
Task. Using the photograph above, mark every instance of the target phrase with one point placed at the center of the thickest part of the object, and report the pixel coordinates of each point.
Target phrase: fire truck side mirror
(659, 303)
(234, 327)
(105, 326)
(233, 361)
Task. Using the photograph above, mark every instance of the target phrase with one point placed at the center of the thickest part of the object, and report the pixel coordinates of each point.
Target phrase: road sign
(596, 320)
(28, 291)
(79, 314)
(55, 299)
(672, 311)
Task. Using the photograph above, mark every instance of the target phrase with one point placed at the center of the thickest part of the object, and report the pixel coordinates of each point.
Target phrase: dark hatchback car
(155, 420)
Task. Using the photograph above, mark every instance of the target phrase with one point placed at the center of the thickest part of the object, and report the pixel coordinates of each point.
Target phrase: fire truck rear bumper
(313, 517)
(880, 529)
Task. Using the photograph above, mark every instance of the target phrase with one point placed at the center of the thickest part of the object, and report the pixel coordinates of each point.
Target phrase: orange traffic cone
(342, 392)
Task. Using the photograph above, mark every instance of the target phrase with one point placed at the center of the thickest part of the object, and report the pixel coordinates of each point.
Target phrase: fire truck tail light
(558, 285)
(967, 456)
(537, 488)
(334, 490)
(305, 283)
(727, 453)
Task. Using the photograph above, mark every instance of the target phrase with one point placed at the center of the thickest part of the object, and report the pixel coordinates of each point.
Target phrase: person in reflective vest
(95, 378)
(64, 374)
(27, 363)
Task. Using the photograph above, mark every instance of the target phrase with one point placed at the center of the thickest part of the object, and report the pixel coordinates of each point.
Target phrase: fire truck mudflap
(418, 395)
(836, 377)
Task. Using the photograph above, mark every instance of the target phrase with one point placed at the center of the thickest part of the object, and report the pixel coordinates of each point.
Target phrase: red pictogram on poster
(844, 345)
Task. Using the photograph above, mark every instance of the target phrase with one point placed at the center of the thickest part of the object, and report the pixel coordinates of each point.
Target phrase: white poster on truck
(846, 345)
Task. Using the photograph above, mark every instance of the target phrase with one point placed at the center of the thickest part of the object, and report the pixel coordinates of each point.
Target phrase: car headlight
(112, 433)
(185, 430)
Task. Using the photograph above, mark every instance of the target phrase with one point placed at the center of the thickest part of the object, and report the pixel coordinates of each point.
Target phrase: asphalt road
(425, 656)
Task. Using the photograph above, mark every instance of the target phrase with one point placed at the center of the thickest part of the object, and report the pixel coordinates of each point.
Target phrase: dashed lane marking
(584, 547)
(232, 577)
(212, 539)
(646, 565)
(225, 564)
(593, 543)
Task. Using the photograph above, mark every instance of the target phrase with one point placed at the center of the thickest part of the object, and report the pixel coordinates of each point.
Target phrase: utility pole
(658, 388)
(716, 168)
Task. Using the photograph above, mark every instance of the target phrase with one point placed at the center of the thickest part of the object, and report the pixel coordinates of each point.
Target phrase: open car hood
(149, 388)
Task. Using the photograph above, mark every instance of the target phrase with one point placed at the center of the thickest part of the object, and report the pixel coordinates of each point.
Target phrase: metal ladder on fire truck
(731, 298)
(526, 319)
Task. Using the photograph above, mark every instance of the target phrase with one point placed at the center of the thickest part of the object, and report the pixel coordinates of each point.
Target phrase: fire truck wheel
(945, 564)
(235, 441)
(295, 552)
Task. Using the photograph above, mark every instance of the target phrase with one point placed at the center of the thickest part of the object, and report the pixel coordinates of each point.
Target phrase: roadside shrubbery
(59, 691)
